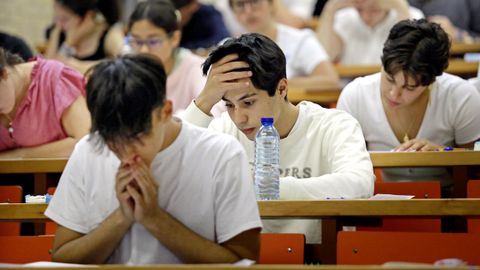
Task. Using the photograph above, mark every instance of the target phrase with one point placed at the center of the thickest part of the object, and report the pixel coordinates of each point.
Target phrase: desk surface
(379, 159)
(295, 95)
(425, 159)
(458, 67)
(311, 209)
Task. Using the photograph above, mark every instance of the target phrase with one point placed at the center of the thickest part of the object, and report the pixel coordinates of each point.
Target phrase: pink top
(53, 88)
(186, 82)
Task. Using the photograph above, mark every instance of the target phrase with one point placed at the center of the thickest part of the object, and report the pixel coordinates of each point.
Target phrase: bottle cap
(266, 121)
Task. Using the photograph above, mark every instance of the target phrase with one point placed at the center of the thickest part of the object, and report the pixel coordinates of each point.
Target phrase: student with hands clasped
(412, 105)
(147, 188)
(322, 151)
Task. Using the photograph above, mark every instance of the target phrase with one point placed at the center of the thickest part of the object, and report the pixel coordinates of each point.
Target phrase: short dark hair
(266, 60)
(122, 93)
(110, 9)
(161, 13)
(8, 59)
(419, 48)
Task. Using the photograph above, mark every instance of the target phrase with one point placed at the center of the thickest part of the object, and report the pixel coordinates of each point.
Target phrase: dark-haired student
(85, 31)
(42, 108)
(322, 151)
(412, 105)
(147, 188)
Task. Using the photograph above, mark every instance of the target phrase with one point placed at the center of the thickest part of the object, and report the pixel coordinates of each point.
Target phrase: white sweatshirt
(324, 156)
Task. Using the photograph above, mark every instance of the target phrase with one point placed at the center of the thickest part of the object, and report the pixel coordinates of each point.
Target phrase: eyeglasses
(151, 43)
(239, 6)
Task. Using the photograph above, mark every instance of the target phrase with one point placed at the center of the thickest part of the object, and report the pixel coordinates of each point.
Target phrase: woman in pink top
(154, 28)
(42, 108)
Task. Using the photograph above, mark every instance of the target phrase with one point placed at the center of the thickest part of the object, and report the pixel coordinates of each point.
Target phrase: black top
(99, 54)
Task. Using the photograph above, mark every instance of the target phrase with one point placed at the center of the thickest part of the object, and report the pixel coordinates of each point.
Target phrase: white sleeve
(235, 202)
(195, 116)
(351, 168)
(68, 206)
(309, 54)
(466, 118)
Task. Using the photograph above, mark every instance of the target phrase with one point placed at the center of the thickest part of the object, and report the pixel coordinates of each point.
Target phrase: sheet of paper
(391, 197)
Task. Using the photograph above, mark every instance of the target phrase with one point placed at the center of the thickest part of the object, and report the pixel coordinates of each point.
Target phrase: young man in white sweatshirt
(322, 151)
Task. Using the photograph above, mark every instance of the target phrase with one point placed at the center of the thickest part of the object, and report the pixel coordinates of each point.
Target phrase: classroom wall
(27, 19)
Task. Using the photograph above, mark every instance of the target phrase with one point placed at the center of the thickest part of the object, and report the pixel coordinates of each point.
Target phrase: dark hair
(418, 48)
(110, 9)
(266, 60)
(181, 3)
(122, 93)
(161, 13)
(8, 59)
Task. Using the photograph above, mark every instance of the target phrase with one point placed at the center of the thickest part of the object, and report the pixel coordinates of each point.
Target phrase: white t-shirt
(323, 156)
(302, 50)
(362, 44)
(205, 183)
(452, 117)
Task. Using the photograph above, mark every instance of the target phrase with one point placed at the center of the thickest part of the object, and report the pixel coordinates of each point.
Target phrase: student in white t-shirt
(353, 31)
(154, 28)
(322, 151)
(308, 65)
(147, 188)
(412, 105)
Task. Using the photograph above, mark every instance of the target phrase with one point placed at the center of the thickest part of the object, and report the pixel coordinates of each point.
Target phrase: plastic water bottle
(267, 152)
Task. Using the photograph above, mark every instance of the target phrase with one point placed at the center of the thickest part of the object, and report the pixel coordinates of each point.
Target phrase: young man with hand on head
(147, 188)
(322, 151)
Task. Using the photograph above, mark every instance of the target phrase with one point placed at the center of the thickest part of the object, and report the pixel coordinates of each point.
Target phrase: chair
(50, 226)
(418, 247)
(421, 190)
(473, 191)
(25, 249)
(10, 194)
(282, 248)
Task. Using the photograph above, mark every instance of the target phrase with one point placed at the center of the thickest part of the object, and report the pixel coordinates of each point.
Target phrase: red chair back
(10, 194)
(282, 248)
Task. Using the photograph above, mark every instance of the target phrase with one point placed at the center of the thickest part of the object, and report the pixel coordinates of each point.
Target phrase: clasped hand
(137, 191)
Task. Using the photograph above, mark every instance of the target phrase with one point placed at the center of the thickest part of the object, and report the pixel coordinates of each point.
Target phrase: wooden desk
(308, 209)
(39, 167)
(459, 160)
(462, 48)
(295, 95)
(335, 213)
(457, 67)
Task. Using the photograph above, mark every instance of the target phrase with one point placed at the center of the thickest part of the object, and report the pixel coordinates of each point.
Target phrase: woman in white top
(308, 65)
(411, 105)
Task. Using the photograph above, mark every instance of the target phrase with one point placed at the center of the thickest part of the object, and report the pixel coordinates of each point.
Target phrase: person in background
(458, 18)
(42, 108)
(85, 32)
(322, 151)
(294, 13)
(308, 65)
(147, 188)
(153, 28)
(202, 25)
(15, 45)
(353, 31)
(412, 105)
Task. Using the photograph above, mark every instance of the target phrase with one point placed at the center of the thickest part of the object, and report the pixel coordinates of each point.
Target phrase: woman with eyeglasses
(154, 29)
(85, 32)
